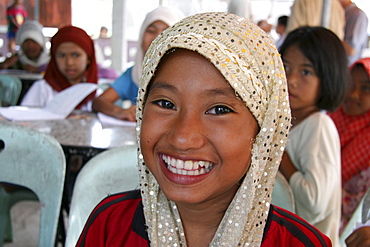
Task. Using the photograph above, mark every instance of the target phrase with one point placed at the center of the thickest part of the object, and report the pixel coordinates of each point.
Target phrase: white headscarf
(32, 29)
(166, 14)
(249, 61)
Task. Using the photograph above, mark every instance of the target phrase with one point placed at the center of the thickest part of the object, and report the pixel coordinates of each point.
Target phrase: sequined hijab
(249, 61)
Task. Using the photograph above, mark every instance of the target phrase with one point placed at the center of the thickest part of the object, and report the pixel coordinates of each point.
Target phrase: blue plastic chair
(10, 90)
(111, 171)
(36, 161)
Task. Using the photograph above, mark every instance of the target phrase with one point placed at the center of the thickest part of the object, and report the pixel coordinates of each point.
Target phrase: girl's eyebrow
(223, 91)
(305, 64)
(163, 85)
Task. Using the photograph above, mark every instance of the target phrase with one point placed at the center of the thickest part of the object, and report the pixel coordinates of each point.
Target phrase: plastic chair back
(109, 172)
(34, 160)
(361, 215)
(10, 90)
(282, 195)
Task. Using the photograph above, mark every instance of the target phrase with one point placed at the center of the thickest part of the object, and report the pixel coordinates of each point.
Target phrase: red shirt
(119, 221)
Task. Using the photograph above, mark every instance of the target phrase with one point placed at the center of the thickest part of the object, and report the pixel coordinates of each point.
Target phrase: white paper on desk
(58, 108)
(106, 121)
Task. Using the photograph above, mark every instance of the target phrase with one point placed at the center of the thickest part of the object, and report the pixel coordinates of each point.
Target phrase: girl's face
(196, 135)
(303, 83)
(72, 61)
(152, 32)
(31, 49)
(357, 101)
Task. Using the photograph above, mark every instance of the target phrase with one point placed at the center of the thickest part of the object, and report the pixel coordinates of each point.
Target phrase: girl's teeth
(188, 167)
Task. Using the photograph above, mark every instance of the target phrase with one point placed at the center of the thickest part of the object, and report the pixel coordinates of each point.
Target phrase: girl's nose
(69, 60)
(187, 132)
(292, 80)
(354, 93)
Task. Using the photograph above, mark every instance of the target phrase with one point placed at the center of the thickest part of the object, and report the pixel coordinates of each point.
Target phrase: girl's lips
(70, 72)
(351, 102)
(291, 95)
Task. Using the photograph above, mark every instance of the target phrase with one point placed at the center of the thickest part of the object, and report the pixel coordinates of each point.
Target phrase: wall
(53, 13)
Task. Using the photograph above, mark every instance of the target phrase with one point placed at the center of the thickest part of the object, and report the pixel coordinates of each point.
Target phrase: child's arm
(14, 21)
(286, 166)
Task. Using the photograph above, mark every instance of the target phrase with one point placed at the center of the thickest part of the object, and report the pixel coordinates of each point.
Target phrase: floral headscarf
(249, 61)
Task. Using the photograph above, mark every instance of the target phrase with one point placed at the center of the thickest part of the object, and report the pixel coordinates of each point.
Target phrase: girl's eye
(75, 55)
(365, 89)
(306, 72)
(219, 110)
(151, 31)
(60, 55)
(165, 104)
(286, 67)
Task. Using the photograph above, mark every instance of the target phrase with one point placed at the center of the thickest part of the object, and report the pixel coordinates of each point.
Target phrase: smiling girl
(72, 61)
(212, 122)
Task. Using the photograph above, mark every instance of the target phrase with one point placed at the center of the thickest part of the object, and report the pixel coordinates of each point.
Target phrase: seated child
(311, 162)
(126, 86)
(353, 123)
(32, 55)
(213, 119)
(72, 61)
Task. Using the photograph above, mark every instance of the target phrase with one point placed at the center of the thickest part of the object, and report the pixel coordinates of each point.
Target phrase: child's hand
(127, 114)
(360, 237)
(9, 62)
(30, 68)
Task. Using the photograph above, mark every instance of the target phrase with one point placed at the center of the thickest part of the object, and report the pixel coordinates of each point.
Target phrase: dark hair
(283, 20)
(328, 57)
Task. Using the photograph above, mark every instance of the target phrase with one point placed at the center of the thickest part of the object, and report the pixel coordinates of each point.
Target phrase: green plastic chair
(10, 90)
(114, 170)
(282, 195)
(36, 161)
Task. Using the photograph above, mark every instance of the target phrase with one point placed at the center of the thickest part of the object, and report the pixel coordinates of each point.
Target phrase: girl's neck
(300, 115)
(200, 232)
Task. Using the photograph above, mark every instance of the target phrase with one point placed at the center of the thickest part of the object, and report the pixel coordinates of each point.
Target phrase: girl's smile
(187, 167)
(185, 172)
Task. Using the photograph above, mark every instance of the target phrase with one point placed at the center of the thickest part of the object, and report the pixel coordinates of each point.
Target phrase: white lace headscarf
(167, 15)
(32, 29)
(249, 61)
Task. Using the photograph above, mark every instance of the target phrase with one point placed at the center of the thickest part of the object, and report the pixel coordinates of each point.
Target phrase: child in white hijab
(126, 86)
(32, 56)
(212, 122)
